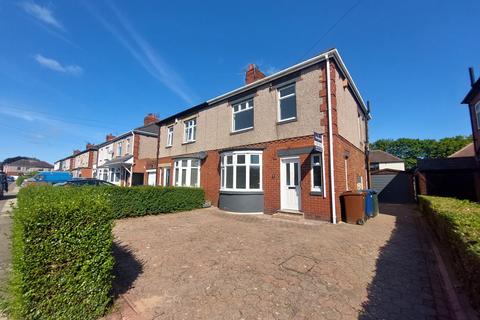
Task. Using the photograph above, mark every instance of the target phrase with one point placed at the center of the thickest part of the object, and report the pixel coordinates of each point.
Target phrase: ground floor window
(241, 170)
(317, 173)
(187, 173)
(166, 177)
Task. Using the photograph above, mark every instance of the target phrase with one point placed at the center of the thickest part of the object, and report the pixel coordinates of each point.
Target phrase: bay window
(242, 117)
(187, 173)
(317, 173)
(190, 130)
(241, 171)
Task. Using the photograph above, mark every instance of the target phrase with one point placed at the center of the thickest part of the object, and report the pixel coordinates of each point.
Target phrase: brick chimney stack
(75, 152)
(253, 74)
(89, 145)
(150, 118)
(109, 137)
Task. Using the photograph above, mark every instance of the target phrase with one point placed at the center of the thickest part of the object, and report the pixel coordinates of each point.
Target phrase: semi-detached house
(124, 160)
(81, 162)
(252, 149)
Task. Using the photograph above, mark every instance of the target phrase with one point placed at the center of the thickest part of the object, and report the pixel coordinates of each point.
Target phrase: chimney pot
(150, 118)
(253, 74)
(75, 152)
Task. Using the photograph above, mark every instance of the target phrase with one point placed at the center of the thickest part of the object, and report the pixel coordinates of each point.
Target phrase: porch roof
(117, 161)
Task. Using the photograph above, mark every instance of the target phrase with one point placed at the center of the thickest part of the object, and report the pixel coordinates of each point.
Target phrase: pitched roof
(31, 163)
(474, 91)
(381, 156)
(467, 151)
(331, 53)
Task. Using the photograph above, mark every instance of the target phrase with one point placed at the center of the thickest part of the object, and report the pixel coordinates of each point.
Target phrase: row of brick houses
(252, 149)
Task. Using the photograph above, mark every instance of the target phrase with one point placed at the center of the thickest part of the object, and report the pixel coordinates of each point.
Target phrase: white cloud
(43, 14)
(144, 53)
(53, 64)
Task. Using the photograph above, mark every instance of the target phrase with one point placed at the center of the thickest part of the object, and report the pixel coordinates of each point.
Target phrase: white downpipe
(330, 144)
(133, 158)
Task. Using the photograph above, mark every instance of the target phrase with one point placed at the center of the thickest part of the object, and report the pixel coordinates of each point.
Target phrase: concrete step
(288, 215)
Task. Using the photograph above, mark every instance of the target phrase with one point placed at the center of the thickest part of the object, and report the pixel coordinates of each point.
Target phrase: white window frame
(164, 178)
(234, 164)
(128, 145)
(178, 164)
(477, 114)
(119, 149)
(317, 164)
(170, 136)
(190, 132)
(248, 106)
(280, 98)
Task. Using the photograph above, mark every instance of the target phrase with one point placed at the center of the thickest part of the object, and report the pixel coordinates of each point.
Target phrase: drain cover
(299, 264)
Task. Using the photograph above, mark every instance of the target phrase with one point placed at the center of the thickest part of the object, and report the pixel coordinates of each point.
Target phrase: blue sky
(71, 72)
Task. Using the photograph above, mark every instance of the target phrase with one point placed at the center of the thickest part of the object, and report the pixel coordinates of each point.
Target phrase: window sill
(286, 121)
(316, 193)
(244, 192)
(189, 142)
(168, 147)
(241, 131)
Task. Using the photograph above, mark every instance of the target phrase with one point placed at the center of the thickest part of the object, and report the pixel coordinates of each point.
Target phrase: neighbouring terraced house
(252, 149)
(124, 160)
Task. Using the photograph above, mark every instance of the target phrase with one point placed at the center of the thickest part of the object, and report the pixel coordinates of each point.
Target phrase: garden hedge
(62, 245)
(144, 200)
(62, 260)
(457, 225)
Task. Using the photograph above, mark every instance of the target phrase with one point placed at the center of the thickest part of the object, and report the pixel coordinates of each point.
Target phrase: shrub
(457, 225)
(143, 200)
(20, 179)
(62, 260)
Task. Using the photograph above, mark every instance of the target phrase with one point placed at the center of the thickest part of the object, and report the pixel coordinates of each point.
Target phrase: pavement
(208, 264)
(5, 235)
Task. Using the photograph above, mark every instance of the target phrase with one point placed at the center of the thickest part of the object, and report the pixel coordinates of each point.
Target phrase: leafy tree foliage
(410, 149)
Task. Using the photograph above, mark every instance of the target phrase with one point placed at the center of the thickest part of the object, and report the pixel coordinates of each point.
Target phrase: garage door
(393, 187)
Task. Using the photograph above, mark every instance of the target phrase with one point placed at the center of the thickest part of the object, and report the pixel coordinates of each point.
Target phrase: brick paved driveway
(207, 264)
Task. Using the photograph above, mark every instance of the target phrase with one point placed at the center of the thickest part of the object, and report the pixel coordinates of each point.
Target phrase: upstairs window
(287, 103)
(241, 171)
(187, 173)
(242, 116)
(190, 130)
(119, 149)
(477, 113)
(170, 136)
(129, 145)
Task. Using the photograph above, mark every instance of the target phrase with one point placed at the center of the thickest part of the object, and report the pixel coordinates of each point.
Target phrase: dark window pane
(295, 167)
(229, 160)
(255, 158)
(241, 177)
(241, 158)
(244, 120)
(254, 177)
(286, 91)
(184, 177)
(177, 176)
(288, 108)
(316, 159)
(229, 177)
(288, 173)
(317, 177)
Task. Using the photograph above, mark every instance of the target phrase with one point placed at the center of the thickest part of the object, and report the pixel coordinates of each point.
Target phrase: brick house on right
(252, 149)
(472, 99)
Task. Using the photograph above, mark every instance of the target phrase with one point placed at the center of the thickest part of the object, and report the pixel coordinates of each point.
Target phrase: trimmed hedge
(457, 225)
(62, 245)
(62, 260)
(144, 200)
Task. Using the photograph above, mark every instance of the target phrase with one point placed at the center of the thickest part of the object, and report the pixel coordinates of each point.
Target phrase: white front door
(151, 178)
(290, 184)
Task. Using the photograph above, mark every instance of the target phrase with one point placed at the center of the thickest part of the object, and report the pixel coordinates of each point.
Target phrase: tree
(410, 149)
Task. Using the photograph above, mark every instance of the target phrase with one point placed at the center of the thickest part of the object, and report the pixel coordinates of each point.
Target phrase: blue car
(49, 177)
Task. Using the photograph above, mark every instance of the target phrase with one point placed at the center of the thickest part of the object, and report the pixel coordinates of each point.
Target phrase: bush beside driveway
(206, 264)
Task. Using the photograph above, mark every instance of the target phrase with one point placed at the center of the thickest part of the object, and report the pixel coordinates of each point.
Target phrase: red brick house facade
(252, 149)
